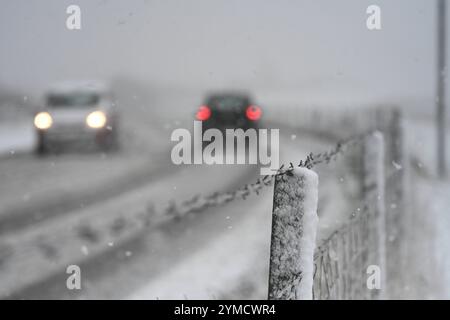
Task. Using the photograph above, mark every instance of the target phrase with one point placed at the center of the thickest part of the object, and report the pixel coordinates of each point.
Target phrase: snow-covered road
(64, 237)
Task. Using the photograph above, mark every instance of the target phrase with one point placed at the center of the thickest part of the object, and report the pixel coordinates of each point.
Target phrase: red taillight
(203, 113)
(253, 113)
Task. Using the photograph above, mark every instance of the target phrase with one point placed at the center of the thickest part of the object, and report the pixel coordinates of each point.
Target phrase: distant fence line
(374, 233)
(342, 260)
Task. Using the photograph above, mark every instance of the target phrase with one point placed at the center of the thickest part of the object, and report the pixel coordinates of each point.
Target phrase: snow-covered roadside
(237, 258)
(16, 137)
(428, 272)
(428, 242)
(441, 210)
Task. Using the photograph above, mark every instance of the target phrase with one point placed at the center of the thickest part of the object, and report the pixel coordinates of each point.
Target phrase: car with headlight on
(77, 113)
(229, 110)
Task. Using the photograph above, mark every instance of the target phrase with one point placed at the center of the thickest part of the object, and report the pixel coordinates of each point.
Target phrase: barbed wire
(198, 203)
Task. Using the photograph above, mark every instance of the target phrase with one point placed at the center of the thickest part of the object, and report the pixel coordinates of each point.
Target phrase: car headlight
(43, 120)
(96, 119)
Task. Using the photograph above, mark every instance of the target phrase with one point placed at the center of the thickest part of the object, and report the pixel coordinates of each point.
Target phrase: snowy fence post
(373, 188)
(395, 201)
(294, 227)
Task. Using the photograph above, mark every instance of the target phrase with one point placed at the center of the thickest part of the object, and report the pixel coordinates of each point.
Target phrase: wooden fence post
(374, 187)
(395, 203)
(294, 228)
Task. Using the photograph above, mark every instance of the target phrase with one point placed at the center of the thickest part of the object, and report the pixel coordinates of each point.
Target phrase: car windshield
(75, 99)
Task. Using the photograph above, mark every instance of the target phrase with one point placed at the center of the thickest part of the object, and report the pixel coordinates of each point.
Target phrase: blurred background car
(229, 111)
(77, 113)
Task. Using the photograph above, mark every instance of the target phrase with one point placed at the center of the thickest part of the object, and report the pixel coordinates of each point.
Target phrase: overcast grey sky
(317, 46)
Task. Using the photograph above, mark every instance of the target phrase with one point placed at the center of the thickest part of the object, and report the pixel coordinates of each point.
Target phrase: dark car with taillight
(229, 111)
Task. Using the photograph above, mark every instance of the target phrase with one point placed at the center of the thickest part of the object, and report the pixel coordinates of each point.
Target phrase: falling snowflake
(396, 165)
(85, 250)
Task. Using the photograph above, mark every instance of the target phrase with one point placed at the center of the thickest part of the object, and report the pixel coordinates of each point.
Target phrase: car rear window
(228, 103)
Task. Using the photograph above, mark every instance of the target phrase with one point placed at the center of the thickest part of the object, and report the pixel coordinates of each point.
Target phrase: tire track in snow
(37, 211)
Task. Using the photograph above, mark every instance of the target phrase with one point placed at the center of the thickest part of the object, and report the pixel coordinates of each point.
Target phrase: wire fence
(343, 259)
(374, 233)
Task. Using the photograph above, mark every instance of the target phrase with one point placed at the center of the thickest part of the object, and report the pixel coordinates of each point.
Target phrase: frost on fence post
(294, 226)
(373, 184)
